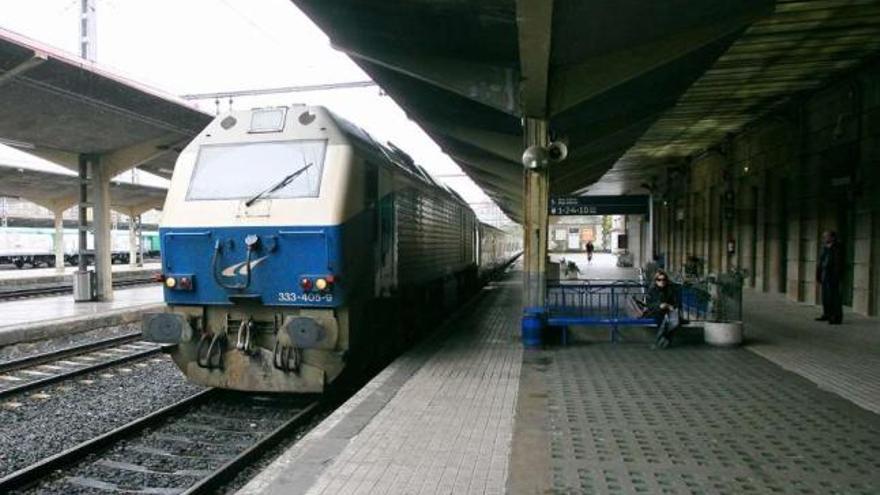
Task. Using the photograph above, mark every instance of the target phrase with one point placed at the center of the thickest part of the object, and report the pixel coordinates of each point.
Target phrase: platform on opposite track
(47, 276)
(43, 317)
(470, 412)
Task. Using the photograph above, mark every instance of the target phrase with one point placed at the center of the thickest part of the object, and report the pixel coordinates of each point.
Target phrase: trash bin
(84, 286)
(532, 327)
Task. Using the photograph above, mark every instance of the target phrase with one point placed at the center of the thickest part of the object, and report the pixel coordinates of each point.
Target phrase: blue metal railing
(611, 303)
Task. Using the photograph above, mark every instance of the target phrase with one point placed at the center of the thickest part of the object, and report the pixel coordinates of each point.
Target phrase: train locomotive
(295, 247)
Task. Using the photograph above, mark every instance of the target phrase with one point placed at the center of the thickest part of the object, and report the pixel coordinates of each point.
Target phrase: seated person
(660, 305)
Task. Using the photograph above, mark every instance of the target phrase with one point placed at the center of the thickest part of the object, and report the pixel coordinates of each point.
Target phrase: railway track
(11, 294)
(194, 446)
(22, 375)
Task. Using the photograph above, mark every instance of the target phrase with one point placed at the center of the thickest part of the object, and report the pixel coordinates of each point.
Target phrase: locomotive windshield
(240, 171)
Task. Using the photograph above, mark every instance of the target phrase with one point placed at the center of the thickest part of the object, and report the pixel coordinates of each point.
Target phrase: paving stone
(625, 419)
(844, 359)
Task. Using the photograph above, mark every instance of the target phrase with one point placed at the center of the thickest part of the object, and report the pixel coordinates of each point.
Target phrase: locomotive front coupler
(209, 353)
(245, 335)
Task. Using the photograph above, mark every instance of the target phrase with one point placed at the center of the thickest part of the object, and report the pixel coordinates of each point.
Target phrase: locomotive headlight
(170, 282)
(306, 284)
(321, 284)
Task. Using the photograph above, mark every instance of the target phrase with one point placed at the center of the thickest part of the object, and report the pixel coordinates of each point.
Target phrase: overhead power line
(285, 89)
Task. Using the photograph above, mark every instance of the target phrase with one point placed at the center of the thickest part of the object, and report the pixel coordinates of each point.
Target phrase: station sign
(599, 205)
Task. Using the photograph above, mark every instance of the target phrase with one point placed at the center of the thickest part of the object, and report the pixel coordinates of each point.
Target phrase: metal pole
(87, 30)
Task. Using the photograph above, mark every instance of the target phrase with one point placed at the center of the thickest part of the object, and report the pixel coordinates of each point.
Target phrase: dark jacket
(829, 270)
(657, 296)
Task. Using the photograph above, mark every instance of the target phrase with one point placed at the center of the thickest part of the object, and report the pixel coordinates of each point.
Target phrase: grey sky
(197, 46)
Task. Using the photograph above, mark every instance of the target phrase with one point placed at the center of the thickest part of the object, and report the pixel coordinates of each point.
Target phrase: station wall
(760, 200)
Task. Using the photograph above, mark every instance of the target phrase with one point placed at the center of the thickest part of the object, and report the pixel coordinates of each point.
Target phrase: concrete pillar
(132, 240)
(100, 192)
(874, 304)
(793, 272)
(774, 242)
(634, 239)
(746, 240)
(649, 231)
(536, 189)
(761, 237)
(58, 239)
(666, 234)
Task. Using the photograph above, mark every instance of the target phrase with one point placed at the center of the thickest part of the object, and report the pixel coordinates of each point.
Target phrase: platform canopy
(802, 46)
(56, 106)
(601, 73)
(58, 190)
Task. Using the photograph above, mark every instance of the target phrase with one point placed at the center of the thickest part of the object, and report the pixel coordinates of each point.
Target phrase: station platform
(39, 277)
(470, 411)
(37, 318)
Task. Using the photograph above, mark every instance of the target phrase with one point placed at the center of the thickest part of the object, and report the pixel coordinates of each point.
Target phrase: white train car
(498, 248)
(35, 246)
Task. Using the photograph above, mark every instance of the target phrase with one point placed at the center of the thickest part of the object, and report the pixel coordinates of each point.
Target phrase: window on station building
(240, 171)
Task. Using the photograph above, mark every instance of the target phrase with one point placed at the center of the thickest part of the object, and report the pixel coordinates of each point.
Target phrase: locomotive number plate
(313, 298)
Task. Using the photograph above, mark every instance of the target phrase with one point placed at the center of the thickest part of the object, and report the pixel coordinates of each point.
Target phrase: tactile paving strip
(625, 419)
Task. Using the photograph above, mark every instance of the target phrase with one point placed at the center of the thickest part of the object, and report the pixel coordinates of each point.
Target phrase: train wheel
(18, 264)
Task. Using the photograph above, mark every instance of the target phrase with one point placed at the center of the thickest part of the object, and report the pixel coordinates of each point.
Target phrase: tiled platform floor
(604, 418)
(437, 421)
(27, 311)
(843, 358)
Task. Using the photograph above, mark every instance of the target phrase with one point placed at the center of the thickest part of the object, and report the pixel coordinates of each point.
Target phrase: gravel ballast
(26, 349)
(52, 419)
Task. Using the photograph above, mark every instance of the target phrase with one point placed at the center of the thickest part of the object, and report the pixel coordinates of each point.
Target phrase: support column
(650, 254)
(58, 239)
(536, 190)
(100, 189)
(132, 240)
(774, 241)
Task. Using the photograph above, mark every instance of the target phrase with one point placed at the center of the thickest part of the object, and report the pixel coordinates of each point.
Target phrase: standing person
(829, 273)
(590, 250)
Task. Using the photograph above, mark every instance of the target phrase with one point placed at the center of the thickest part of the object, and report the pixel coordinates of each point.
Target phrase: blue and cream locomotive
(294, 246)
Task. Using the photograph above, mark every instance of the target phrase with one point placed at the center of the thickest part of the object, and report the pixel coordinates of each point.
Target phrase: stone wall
(810, 165)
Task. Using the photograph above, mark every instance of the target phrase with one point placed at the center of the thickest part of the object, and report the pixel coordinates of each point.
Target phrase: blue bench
(603, 303)
(564, 322)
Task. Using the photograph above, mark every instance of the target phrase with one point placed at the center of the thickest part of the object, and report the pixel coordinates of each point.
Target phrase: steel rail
(48, 357)
(233, 467)
(42, 382)
(43, 468)
(28, 476)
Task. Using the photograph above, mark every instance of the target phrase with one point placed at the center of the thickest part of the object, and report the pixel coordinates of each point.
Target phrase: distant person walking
(829, 273)
(590, 249)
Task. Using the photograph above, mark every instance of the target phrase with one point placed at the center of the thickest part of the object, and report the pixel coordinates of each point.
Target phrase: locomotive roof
(392, 155)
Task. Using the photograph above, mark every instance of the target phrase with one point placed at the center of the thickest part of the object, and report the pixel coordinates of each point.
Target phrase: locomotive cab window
(279, 169)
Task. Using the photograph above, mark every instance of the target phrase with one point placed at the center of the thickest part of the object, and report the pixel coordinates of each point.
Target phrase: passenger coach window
(239, 171)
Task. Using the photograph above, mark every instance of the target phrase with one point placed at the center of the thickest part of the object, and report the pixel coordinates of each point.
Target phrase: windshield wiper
(282, 183)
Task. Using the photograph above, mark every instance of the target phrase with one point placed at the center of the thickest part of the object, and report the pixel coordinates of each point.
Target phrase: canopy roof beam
(534, 20)
(37, 59)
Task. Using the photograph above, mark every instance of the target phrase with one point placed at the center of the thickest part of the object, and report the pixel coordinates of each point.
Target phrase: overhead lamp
(536, 157)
